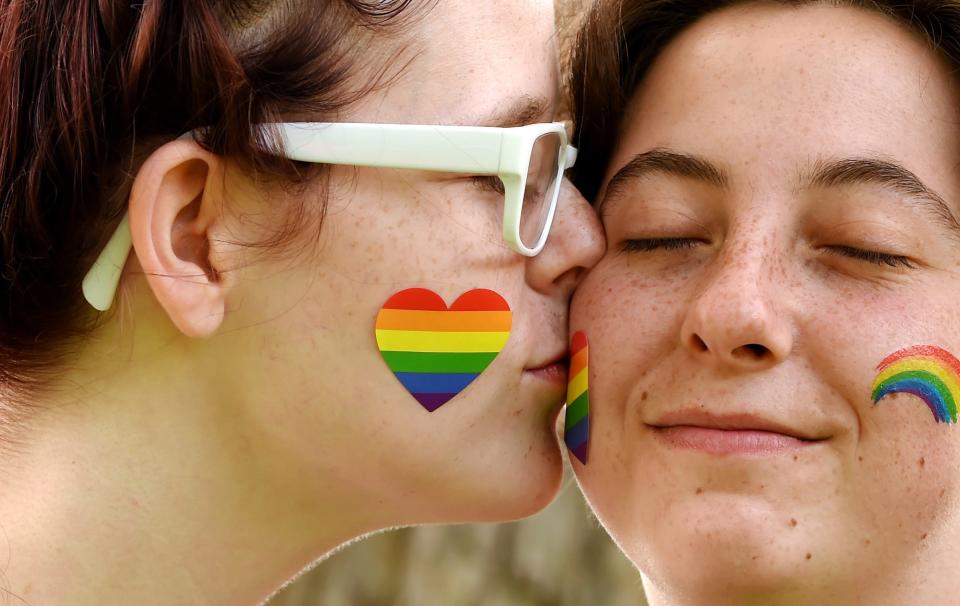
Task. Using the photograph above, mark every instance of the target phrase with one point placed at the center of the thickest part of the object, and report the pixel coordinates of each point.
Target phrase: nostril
(698, 344)
(752, 350)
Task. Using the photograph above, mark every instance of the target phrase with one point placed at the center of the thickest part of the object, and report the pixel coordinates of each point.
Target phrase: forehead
(765, 86)
(469, 60)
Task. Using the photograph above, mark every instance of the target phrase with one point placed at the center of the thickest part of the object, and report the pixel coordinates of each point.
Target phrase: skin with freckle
(231, 420)
(759, 265)
(387, 230)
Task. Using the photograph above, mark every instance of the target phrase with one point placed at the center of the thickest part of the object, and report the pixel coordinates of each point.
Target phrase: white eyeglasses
(529, 160)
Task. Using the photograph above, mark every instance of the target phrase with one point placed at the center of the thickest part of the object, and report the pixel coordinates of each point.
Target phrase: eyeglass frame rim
(474, 150)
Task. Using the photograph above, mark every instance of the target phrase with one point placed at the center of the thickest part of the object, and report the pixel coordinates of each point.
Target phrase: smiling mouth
(730, 435)
(730, 441)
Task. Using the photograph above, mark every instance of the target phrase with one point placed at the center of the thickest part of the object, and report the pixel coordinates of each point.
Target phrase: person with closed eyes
(773, 329)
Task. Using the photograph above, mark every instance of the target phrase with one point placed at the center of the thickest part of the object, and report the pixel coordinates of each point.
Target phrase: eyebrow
(665, 162)
(833, 173)
(885, 173)
(519, 112)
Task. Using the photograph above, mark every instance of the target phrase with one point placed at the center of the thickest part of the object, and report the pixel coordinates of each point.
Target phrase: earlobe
(175, 213)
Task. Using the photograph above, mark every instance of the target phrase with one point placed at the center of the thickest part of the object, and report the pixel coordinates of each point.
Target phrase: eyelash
(488, 183)
(870, 256)
(652, 244)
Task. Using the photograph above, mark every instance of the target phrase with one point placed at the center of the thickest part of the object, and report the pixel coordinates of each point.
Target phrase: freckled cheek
(626, 315)
(613, 315)
(908, 461)
(906, 478)
(602, 306)
(630, 328)
(416, 242)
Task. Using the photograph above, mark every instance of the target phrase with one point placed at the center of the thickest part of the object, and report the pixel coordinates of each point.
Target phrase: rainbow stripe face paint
(928, 372)
(576, 430)
(437, 352)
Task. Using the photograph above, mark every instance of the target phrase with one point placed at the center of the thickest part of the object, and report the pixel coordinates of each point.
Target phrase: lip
(554, 370)
(730, 434)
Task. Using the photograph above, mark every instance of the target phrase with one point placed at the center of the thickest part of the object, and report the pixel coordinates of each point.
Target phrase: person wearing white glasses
(193, 402)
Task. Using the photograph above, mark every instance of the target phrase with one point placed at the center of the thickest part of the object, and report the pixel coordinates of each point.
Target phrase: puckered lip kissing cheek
(552, 368)
(741, 433)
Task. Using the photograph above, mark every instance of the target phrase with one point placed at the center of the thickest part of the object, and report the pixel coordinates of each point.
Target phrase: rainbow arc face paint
(926, 371)
(436, 352)
(576, 433)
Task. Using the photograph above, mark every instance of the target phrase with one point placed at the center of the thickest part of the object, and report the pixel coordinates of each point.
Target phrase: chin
(521, 471)
(508, 483)
(536, 488)
(728, 546)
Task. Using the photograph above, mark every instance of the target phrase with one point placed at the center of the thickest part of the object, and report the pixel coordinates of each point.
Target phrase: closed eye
(872, 256)
(489, 183)
(652, 244)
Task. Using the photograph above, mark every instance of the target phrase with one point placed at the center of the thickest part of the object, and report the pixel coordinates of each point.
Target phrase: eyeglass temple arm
(100, 283)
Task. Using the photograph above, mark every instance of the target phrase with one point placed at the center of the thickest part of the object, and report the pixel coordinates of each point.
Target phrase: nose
(575, 244)
(739, 319)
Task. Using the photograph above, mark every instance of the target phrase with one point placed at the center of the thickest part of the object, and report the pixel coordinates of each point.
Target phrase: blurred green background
(560, 557)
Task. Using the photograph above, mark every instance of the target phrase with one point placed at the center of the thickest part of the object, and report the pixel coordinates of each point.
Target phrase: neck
(925, 580)
(137, 490)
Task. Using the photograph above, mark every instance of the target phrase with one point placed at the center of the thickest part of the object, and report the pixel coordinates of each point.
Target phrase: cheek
(903, 479)
(630, 319)
(906, 475)
(631, 322)
(846, 333)
(391, 227)
(385, 239)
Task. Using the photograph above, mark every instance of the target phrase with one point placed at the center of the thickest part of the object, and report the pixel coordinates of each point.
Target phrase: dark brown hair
(90, 86)
(621, 39)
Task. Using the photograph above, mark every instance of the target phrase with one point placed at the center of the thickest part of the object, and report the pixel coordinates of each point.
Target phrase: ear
(175, 213)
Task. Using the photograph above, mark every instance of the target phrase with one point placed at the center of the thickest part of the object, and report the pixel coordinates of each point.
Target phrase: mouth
(554, 370)
(744, 434)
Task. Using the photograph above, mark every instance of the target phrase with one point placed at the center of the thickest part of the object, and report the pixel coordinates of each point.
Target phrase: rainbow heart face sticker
(437, 352)
(926, 371)
(576, 425)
